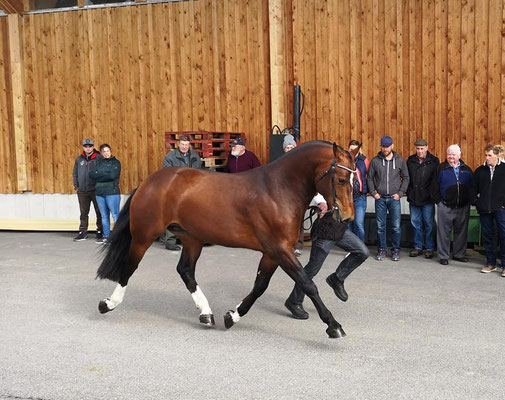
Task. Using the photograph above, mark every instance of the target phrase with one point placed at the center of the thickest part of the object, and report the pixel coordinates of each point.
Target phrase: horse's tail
(118, 246)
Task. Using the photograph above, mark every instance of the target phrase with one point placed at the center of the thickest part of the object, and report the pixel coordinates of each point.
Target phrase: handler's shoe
(80, 237)
(487, 269)
(338, 287)
(296, 310)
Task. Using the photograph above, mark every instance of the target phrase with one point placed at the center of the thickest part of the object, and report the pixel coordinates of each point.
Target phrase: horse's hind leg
(135, 254)
(266, 269)
(290, 264)
(191, 250)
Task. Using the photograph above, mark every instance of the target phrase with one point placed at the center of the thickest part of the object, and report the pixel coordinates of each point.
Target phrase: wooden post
(278, 65)
(18, 105)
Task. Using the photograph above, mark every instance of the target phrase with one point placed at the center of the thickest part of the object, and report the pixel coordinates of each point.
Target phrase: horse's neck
(299, 176)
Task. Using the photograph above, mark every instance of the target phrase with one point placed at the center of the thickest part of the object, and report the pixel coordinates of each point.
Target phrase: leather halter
(331, 170)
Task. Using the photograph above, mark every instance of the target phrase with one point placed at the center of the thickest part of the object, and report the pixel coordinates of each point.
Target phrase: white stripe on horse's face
(116, 298)
(201, 301)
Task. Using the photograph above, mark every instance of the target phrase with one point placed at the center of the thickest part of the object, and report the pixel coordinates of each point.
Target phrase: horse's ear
(354, 152)
(335, 147)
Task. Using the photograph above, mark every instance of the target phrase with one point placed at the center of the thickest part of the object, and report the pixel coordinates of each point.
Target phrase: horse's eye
(342, 181)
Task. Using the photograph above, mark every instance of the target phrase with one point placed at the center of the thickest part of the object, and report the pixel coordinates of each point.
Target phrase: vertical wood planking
(440, 74)
(495, 44)
(480, 128)
(466, 138)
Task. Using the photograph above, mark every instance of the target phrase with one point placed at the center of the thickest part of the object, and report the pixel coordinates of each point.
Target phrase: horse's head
(335, 183)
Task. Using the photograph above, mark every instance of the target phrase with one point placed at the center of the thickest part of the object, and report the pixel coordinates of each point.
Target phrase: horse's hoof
(335, 333)
(207, 319)
(228, 320)
(103, 307)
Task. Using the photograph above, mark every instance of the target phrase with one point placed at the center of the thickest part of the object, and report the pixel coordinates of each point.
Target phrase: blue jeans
(419, 216)
(382, 206)
(108, 205)
(488, 235)
(358, 225)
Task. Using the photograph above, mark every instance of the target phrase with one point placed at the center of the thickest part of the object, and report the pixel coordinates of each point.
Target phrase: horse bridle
(331, 170)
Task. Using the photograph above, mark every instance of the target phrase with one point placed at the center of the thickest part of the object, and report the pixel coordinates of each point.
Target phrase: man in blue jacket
(452, 190)
(85, 188)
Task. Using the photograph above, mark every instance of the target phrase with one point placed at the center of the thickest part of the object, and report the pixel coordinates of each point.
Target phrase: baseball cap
(386, 141)
(88, 141)
(237, 141)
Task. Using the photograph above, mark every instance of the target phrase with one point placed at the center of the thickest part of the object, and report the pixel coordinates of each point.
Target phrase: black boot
(297, 310)
(338, 287)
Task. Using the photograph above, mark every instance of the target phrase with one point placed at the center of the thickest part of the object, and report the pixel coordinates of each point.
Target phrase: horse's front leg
(266, 269)
(290, 264)
(186, 268)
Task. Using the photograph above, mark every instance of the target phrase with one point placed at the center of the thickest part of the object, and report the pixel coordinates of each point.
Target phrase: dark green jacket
(106, 174)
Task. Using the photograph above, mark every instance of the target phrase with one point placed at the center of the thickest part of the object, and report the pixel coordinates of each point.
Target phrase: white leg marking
(116, 298)
(234, 315)
(201, 301)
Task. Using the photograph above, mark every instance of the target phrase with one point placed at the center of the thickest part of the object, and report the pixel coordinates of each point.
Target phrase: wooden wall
(125, 75)
(7, 158)
(405, 68)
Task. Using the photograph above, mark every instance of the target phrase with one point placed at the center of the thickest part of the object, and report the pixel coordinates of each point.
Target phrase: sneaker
(415, 253)
(429, 254)
(298, 253)
(171, 246)
(80, 237)
(101, 241)
(395, 256)
(99, 235)
(487, 269)
(381, 255)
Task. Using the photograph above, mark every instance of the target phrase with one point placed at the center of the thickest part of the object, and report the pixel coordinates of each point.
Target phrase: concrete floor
(416, 329)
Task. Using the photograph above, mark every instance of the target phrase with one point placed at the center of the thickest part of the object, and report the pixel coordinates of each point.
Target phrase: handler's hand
(323, 207)
(396, 196)
(376, 196)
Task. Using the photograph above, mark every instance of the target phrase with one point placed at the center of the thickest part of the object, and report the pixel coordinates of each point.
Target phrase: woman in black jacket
(106, 173)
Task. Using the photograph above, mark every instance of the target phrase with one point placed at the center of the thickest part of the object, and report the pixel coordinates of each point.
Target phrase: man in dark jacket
(182, 156)
(452, 190)
(388, 179)
(85, 187)
(422, 166)
(240, 159)
(489, 184)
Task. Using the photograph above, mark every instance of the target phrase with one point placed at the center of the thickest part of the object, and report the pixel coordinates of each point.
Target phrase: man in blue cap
(388, 180)
(240, 159)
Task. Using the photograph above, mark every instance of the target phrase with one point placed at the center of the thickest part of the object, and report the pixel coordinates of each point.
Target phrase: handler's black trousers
(358, 253)
(85, 200)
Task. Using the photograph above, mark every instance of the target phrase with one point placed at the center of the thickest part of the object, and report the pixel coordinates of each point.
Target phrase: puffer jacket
(105, 173)
(82, 166)
(421, 175)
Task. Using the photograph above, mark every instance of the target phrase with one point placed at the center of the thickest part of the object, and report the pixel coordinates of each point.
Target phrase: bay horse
(260, 209)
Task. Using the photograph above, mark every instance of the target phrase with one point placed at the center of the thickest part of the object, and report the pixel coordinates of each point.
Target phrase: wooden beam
(18, 107)
(12, 6)
(278, 65)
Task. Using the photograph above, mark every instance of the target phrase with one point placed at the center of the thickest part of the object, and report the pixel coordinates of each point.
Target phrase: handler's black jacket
(421, 176)
(492, 193)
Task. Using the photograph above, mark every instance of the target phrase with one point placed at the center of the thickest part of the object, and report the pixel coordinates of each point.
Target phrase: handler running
(321, 247)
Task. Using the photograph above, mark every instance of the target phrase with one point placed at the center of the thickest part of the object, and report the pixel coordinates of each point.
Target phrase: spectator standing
(388, 179)
(452, 191)
(289, 144)
(422, 166)
(105, 172)
(348, 241)
(489, 180)
(85, 187)
(359, 191)
(182, 156)
(240, 159)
